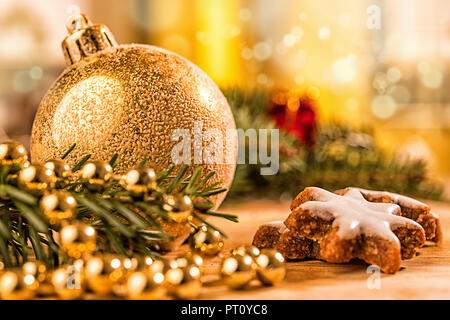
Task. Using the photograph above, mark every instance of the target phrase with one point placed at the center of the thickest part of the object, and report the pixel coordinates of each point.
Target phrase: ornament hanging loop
(77, 22)
(85, 39)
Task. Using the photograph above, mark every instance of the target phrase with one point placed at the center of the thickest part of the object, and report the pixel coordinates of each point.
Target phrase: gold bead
(139, 181)
(238, 271)
(271, 267)
(146, 286)
(206, 241)
(130, 265)
(68, 281)
(137, 263)
(246, 249)
(179, 207)
(40, 272)
(37, 178)
(77, 239)
(15, 285)
(162, 265)
(97, 173)
(189, 259)
(59, 167)
(58, 206)
(182, 277)
(103, 272)
(184, 283)
(12, 153)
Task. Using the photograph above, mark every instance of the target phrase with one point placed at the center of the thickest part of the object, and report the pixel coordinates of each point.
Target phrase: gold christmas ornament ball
(206, 241)
(12, 152)
(139, 101)
(238, 271)
(58, 206)
(139, 181)
(37, 178)
(16, 285)
(271, 267)
(77, 239)
(59, 167)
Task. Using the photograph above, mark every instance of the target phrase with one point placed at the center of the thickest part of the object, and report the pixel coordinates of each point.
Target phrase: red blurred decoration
(296, 115)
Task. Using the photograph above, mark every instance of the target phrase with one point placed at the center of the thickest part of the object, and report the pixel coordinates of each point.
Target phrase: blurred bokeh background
(367, 62)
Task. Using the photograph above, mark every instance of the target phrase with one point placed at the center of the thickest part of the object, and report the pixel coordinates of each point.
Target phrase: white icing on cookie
(354, 215)
(276, 224)
(399, 199)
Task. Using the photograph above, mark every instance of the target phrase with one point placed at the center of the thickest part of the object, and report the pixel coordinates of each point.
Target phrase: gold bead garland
(37, 179)
(247, 263)
(104, 274)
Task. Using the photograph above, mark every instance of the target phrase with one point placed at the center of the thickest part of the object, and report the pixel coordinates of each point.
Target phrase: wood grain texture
(426, 276)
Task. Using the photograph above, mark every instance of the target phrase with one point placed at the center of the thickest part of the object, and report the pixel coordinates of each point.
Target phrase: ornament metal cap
(85, 39)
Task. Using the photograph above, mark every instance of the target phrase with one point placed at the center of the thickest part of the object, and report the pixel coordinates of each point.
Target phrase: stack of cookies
(380, 228)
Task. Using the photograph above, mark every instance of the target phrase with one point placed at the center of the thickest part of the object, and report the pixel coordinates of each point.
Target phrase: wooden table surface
(426, 276)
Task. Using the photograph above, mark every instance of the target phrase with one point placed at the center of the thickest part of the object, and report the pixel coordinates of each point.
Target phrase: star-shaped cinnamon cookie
(410, 208)
(348, 226)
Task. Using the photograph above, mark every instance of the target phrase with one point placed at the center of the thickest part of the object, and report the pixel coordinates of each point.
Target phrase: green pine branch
(124, 225)
(341, 156)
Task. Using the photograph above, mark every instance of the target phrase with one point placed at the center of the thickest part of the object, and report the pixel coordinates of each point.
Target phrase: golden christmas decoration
(206, 241)
(58, 206)
(271, 267)
(146, 286)
(250, 250)
(238, 270)
(41, 273)
(11, 153)
(179, 207)
(103, 272)
(137, 263)
(16, 285)
(184, 282)
(139, 181)
(68, 281)
(131, 265)
(37, 178)
(59, 167)
(97, 173)
(189, 259)
(77, 239)
(130, 100)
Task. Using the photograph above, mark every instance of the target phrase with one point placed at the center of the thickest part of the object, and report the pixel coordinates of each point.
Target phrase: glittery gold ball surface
(130, 99)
